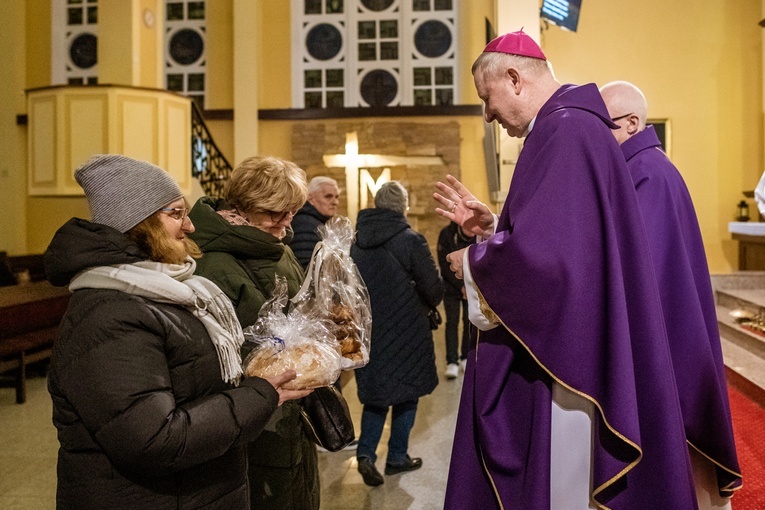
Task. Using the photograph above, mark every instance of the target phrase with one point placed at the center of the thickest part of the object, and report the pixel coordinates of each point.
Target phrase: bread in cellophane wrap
(291, 341)
(334, 292)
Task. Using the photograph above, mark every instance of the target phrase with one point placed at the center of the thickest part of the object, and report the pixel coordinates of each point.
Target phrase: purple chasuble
(680, 263)
(569, 274)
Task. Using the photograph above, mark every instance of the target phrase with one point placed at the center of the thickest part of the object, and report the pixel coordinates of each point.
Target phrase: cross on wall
(357, 177)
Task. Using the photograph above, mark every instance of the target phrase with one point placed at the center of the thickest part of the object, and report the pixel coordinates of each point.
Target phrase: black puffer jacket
(305, 226)
(144, 419)
(403, 282)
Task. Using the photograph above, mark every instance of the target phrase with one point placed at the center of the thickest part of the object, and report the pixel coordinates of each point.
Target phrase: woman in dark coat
(403, 281)
(243, 240)
(145, 373)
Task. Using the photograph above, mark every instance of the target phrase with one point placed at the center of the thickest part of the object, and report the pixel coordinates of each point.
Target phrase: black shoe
(410, 465)
(369, 472)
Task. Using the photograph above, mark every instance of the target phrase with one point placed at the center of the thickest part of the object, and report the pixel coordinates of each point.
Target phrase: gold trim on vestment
(634, 445)
(730, 487)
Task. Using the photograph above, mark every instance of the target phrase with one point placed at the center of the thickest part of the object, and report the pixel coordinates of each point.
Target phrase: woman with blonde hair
(244, 239)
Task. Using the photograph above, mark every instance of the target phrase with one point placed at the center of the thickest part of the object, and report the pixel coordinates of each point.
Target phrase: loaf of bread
(316, 363)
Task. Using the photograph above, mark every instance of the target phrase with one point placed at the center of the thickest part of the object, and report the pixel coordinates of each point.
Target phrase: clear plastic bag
(334, 292)
(291, 341)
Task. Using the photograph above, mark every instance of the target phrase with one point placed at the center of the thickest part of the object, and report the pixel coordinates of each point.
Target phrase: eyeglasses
(621, 117)
(176, 213)
(279, 216)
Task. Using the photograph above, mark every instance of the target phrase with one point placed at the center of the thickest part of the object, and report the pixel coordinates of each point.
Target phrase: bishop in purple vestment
(566, 277)
(677, 250)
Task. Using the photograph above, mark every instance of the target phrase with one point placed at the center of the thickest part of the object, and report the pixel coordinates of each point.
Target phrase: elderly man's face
(325, 199)
(501, 102)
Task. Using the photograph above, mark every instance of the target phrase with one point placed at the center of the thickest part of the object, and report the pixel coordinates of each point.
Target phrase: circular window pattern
(379, 88)
(186, 46)
(324, 41)
(377, 5)
(433, 38)
(83, 51)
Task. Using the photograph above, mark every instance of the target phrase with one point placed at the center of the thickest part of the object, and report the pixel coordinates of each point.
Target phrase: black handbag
(434, 317)
(327, 419)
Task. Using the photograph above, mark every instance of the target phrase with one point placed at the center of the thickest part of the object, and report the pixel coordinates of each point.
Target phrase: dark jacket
(403, 283)
(450, 239)
(243, 261)
(144, 419)
(305, 226)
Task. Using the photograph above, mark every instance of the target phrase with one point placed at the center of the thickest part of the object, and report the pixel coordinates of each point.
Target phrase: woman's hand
(284, 395)
(461, 207)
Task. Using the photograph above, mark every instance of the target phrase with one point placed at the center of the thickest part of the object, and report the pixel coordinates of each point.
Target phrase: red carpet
(749, 430)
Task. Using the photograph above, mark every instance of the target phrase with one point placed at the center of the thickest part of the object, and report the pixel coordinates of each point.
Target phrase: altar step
(743, 349)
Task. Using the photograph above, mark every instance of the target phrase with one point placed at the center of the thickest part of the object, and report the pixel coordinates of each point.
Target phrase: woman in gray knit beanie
(145, 374)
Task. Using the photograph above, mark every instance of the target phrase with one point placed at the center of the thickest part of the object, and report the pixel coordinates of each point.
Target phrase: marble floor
(28, 448)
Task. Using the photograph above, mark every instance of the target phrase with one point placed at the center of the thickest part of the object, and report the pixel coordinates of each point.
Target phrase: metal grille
(208, 164)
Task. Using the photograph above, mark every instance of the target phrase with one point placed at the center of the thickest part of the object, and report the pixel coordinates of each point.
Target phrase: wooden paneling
(69, 124)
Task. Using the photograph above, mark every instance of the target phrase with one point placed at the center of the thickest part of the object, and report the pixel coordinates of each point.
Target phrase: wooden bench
(18, 352)
(32, 265)
(29, 318)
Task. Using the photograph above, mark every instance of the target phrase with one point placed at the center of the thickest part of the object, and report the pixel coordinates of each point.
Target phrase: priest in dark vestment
(569, 399)
(679, 260)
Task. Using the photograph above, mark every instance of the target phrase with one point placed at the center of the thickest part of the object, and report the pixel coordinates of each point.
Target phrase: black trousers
(452, 307)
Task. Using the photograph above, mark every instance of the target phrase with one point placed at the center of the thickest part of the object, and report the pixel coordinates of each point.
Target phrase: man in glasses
(569, 399)
(679, 261)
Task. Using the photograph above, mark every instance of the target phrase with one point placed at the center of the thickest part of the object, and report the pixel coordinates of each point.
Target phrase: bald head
(627, 107)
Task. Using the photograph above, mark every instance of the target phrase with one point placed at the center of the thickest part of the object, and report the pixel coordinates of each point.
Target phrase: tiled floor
(28, 448)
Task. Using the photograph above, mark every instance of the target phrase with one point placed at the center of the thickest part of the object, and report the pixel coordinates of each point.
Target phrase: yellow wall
(13, 180)
(699, 67)
(472, 29)
(38, 41)
(220, 56)
(275, 89)
(130, 42)
(148, 19)
(46, 214)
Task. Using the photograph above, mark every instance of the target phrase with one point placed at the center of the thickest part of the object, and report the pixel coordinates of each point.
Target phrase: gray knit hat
(122, 191)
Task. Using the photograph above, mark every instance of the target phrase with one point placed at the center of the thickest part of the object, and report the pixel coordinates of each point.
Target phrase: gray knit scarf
(176, 283)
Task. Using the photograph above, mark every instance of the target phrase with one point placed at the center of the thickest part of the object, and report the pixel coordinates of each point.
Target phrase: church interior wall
(700, 68)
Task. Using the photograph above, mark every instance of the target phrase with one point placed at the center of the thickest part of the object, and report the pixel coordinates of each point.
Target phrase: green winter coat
(243, 261)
